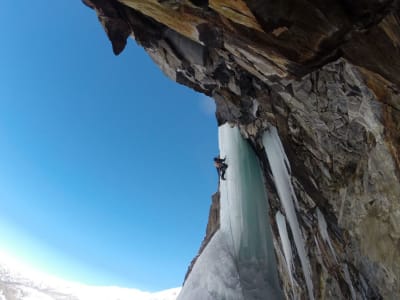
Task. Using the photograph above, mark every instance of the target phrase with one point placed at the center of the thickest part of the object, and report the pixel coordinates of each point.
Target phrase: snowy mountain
(20, 283)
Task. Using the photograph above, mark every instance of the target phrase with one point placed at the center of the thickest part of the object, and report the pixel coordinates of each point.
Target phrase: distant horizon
(24, 277)
(24, 269)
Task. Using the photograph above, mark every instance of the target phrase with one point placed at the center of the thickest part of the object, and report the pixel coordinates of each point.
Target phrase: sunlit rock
(326, 75)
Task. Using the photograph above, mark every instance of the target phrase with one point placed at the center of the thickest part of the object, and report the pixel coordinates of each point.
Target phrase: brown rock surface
(327, 74)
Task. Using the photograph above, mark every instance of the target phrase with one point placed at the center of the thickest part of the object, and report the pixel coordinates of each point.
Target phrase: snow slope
(17, 282)
(239, 261)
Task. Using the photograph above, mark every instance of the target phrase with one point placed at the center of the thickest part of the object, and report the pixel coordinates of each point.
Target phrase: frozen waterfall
(239, 261)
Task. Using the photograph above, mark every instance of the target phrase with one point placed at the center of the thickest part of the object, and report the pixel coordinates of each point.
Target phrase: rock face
(213, 225)
(327, 75)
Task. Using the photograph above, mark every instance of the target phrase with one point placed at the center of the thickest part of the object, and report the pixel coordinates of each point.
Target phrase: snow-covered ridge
(18, 282)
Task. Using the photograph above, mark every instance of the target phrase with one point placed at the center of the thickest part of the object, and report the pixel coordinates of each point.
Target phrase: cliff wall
(327, 74)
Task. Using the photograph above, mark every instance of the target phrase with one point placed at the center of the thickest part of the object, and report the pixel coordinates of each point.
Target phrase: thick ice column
(239, 261)
(244, 214)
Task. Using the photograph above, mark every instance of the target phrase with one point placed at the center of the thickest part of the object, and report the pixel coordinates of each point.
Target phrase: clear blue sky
(105, 164)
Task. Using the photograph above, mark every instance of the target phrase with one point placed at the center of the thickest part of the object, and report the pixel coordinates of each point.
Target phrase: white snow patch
(215, 274)
(280, 170)
(28, 284)
(28, 293)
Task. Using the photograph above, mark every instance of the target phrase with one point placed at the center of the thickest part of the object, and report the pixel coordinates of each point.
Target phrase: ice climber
(221, 166)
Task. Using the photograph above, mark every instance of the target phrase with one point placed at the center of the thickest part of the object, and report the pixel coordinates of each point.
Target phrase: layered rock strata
(326, 74)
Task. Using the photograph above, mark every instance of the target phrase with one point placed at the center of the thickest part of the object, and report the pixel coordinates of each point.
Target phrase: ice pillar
(239, 261)
(280, 168)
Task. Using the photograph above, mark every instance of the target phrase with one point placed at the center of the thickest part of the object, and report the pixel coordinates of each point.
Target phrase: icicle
(287, 249)
(343, 195)
(280, 170)
(348, 281)
(323, 230)
(254, 109)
